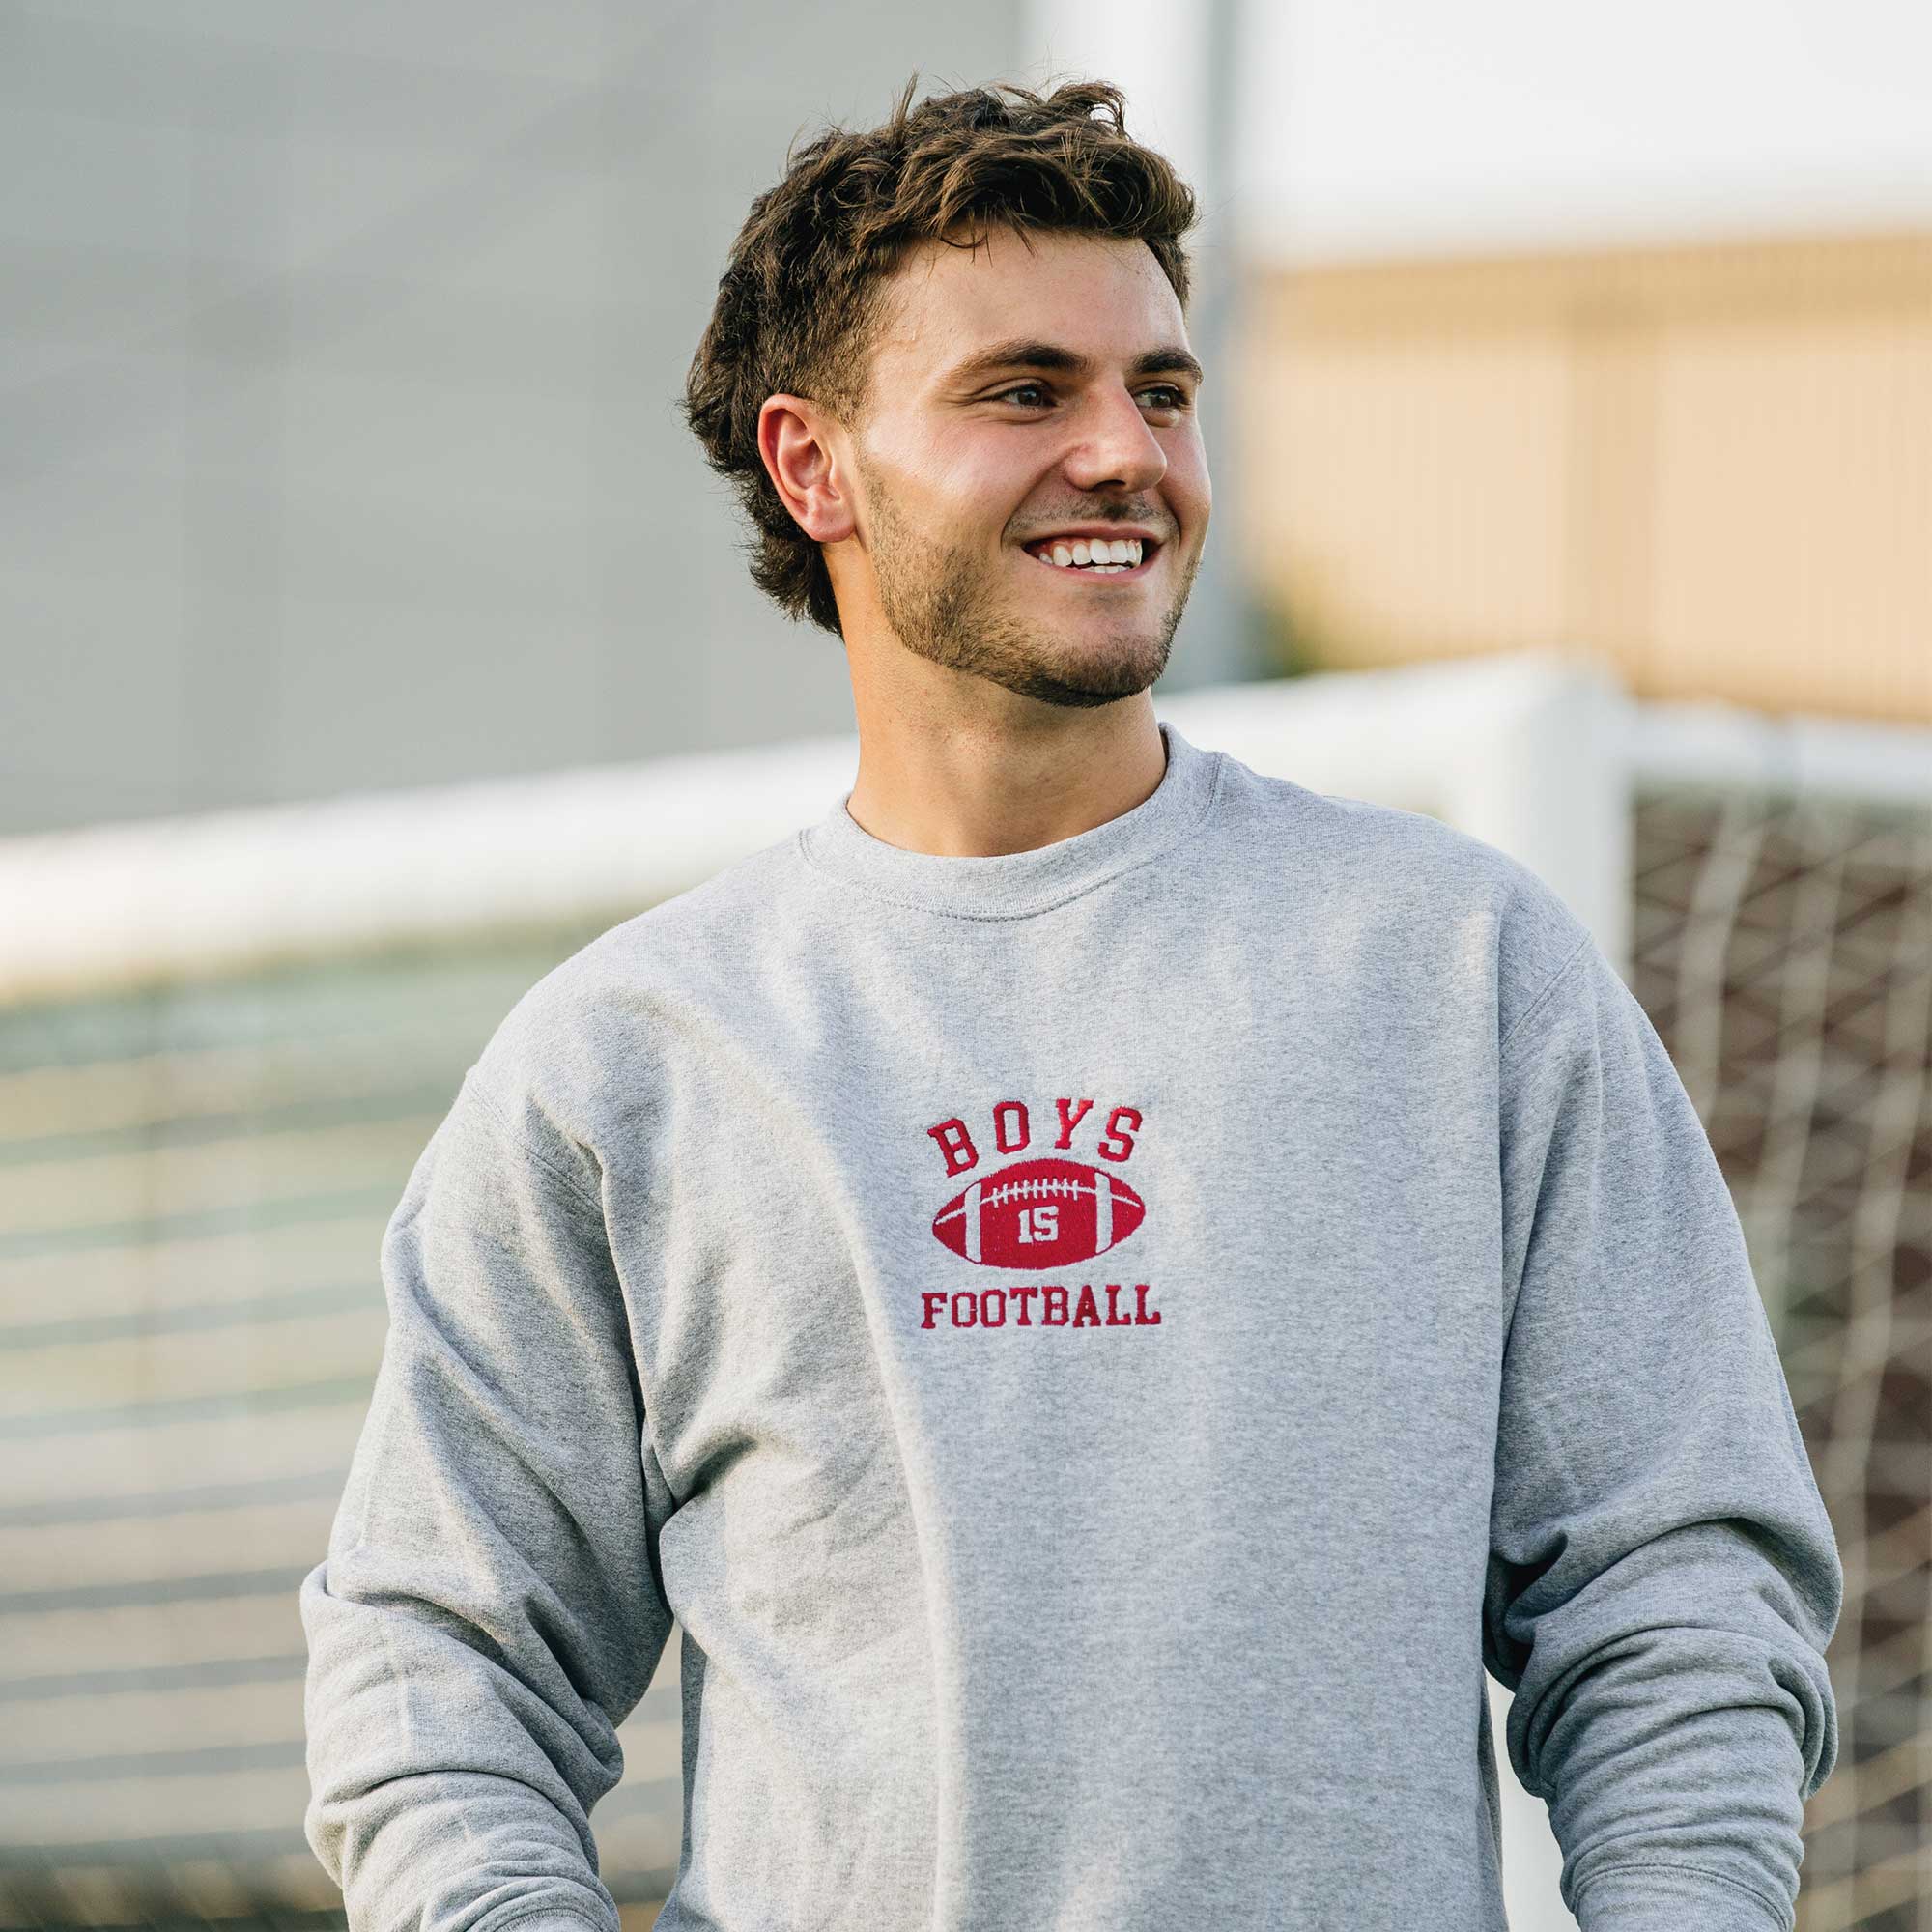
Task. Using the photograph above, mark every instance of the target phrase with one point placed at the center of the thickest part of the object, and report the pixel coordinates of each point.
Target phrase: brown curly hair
(802, 297)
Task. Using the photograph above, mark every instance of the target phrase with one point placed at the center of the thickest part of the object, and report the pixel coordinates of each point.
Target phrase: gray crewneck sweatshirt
(1098, 1349)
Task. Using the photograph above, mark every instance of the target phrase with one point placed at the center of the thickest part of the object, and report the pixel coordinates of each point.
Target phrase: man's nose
(1115, 448)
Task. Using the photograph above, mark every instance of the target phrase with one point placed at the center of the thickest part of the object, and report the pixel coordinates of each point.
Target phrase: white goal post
(1522, 752)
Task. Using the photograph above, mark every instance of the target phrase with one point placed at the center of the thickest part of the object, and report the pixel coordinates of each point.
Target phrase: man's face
(977, 450)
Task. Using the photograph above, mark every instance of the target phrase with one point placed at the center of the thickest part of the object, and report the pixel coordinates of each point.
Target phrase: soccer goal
(225, 1038)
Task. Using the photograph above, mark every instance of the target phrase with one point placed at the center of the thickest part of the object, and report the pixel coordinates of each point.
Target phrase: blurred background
(374, 637)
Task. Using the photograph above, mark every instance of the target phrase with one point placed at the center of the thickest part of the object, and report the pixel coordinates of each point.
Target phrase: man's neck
(980, 788)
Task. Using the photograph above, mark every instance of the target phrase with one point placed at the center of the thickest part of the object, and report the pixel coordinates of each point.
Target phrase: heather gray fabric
(1432, 1345)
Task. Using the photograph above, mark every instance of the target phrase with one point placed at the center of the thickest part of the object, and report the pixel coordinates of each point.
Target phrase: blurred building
(1709, 464)
(342, 355)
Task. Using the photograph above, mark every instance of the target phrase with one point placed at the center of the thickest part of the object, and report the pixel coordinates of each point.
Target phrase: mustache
(1159, 526)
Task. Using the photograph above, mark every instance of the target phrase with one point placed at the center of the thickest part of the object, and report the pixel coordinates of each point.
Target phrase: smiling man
(1099, 1290)
(932, 414)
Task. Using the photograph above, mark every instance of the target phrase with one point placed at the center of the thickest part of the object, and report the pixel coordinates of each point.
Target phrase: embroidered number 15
(1039, 1224)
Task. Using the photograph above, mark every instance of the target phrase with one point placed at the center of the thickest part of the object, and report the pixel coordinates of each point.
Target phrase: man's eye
(1036, 395)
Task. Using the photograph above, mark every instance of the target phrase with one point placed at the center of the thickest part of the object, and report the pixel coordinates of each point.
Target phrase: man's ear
(794, 442)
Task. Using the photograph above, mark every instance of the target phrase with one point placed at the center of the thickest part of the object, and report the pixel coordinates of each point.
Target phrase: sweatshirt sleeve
(1663, 1578)
(487, 1611)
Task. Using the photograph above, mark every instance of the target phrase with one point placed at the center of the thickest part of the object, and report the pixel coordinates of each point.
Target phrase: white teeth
(1096, 554)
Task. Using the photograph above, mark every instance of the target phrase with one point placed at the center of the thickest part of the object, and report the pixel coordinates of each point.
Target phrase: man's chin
(1052, 671)
(1020, 654)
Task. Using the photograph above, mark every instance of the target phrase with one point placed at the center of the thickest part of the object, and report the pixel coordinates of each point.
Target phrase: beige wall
(1713, 464)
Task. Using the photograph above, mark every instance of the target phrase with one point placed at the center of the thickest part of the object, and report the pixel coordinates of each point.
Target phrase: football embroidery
(1044, 1213)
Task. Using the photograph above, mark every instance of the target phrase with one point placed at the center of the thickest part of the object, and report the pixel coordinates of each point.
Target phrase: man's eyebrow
(1024, 353)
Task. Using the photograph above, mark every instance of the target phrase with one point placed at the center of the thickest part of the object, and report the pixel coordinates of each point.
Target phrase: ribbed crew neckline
(1012, 884)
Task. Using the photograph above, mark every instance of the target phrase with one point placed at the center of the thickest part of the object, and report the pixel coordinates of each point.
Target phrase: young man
(1100, 1289)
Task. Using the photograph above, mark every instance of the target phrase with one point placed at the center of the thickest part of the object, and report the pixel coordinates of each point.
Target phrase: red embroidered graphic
(1039, 1215)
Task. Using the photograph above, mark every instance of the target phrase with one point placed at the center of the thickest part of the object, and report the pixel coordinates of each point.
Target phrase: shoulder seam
(557, 1173)
(1549, 985)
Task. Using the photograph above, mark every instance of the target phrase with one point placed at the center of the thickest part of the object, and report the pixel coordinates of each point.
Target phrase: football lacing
(1021, 1191)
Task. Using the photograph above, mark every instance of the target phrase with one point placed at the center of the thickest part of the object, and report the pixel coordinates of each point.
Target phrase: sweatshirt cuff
(549, 1919)
(1672, 1898)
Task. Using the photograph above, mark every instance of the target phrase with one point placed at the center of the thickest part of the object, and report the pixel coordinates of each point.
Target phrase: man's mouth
(1105, 561)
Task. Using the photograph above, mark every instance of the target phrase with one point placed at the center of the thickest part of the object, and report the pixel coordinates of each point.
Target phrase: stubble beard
(944, 605)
